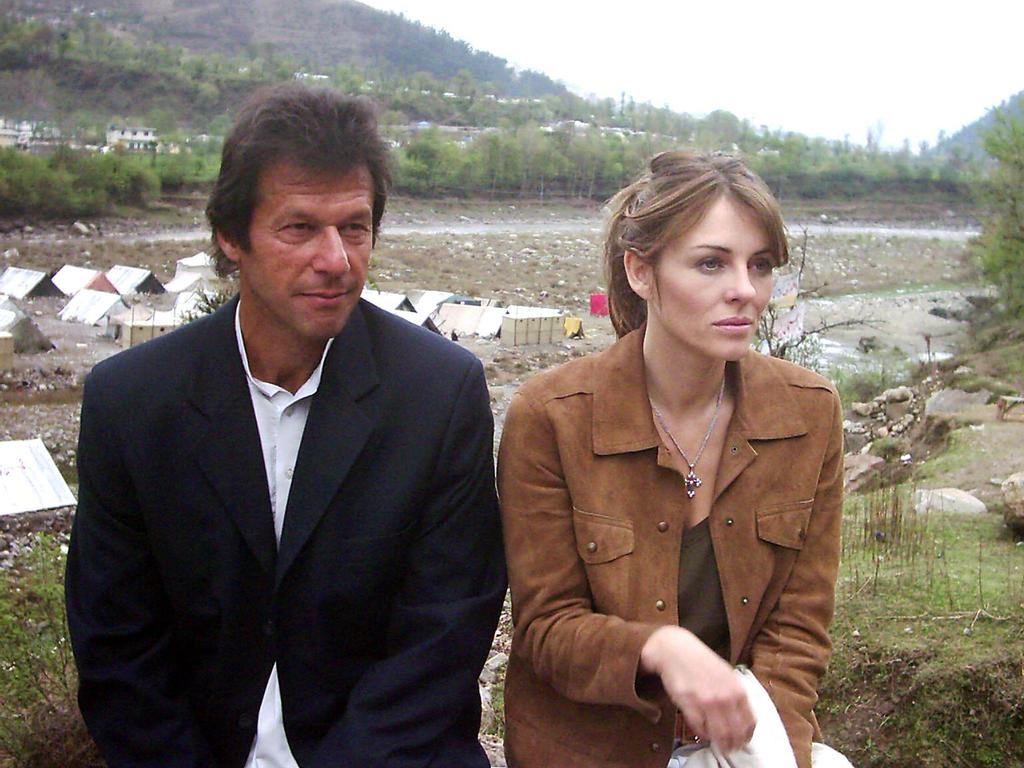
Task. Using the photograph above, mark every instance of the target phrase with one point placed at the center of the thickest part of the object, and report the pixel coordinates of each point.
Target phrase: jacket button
(734, 450)
(662, 526)
(592, 546)
(660, 605)
(245, 721)
(729, 521)
(744, 600)
(655, 746)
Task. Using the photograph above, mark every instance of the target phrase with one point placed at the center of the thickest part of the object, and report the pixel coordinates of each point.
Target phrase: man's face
(301, 277)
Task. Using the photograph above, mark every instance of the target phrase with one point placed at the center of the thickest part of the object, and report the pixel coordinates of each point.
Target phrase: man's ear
(640, 273)
(232, 250)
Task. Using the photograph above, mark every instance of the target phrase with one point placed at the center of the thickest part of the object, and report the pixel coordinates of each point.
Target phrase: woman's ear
(640, 273)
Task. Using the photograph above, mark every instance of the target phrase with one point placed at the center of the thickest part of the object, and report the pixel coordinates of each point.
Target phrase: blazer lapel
(336, 432)
(228, 441)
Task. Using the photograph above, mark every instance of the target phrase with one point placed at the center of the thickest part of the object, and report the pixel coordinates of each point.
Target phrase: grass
(928, 666)
(40, 726)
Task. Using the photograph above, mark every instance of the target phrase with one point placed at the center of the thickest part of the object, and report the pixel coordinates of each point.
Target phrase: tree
(1001, 246)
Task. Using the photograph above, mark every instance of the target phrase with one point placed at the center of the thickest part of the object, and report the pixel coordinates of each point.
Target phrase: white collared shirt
(281, 420)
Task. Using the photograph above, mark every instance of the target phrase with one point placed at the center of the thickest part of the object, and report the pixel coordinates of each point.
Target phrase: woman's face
(709, 287)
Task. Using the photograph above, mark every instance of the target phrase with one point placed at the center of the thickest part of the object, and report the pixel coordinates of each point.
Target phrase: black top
(701, 607)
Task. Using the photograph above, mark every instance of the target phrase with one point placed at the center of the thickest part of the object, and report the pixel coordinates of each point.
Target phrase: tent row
(193, 273)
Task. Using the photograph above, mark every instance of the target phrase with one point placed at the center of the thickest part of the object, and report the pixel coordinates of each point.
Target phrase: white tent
(71, 279)
(469, 320)
(193, 273)
(91, 307)
(388, 301)
(29, 479)
(21, 283)
(428, 301)
(133, 280)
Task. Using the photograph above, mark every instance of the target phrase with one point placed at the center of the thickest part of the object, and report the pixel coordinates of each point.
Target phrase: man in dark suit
(287, 549)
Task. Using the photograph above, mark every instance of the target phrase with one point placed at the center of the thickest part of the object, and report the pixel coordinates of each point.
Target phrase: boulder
(79, 228)
(949, 402)
(859, 468)
(898, 395)
(951, 500)
(1013, 501)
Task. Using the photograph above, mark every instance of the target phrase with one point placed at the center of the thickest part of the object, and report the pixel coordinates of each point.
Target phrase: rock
(949, 402)
(951, 500)
(863, 409)
(78, 228)
(486, 710)
(898, 395)
(1013, 501)
(11, 253)
(963, 370)
(859, 468)
(491, 671)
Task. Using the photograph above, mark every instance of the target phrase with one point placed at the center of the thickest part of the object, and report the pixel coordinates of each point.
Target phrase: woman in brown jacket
(671, 505)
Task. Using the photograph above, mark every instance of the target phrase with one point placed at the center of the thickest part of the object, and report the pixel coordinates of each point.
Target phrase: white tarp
(785, 290)
(469, 320)
(90, 307)
(19, 283)
(133, 280)
(29, 479)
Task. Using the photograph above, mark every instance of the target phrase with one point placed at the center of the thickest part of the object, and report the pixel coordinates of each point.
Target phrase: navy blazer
(380, 603)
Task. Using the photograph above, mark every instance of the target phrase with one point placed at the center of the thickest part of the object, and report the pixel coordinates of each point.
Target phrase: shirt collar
(267, 389)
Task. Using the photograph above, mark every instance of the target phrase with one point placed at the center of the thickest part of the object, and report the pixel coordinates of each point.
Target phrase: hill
(316, 34)
(968, 142)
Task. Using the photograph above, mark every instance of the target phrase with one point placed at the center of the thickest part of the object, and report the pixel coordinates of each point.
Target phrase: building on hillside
(131, 138)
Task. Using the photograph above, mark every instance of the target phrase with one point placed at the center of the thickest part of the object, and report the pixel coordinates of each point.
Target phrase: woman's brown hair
(667, 201)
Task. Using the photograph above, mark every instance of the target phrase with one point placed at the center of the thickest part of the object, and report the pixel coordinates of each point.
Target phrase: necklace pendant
(692, 483)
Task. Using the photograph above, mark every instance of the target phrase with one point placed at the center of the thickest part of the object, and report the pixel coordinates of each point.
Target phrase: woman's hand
(702, 685)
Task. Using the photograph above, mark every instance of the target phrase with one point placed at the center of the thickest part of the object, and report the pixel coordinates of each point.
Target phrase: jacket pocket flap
(601, 539)
(785, 524)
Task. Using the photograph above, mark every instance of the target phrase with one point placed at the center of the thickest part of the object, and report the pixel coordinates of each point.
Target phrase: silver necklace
(692, 481)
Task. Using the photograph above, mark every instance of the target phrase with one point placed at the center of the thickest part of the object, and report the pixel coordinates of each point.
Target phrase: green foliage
(1001, 248)
(73, 183)
(39, 720)
(926, 668)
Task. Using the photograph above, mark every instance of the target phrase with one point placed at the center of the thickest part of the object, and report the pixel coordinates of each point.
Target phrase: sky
(904, 68)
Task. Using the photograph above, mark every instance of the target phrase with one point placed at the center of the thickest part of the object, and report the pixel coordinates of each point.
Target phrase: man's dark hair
(315, 129)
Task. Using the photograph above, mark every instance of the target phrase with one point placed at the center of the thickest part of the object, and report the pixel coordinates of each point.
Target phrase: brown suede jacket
(592, 515)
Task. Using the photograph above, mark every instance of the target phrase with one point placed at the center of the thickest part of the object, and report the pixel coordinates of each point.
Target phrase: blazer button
(245, 721)
(655, 746)
(592, 546)
(729, 521)
(662, 526)
(660, 605)
(744, 600)
(734, 450)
